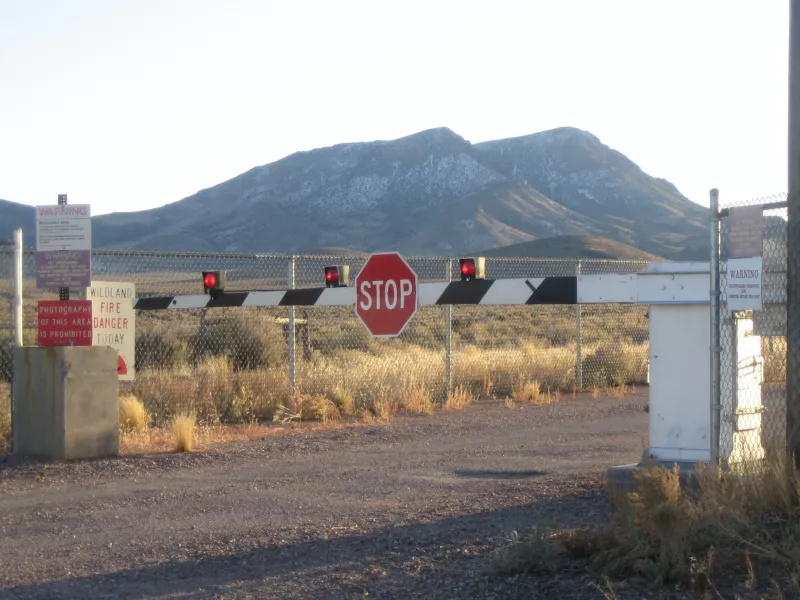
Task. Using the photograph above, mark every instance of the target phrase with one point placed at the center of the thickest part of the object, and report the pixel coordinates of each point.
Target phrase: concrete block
(66, 402)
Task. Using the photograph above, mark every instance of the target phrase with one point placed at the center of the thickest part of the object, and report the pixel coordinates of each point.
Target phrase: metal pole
(793, 240)
(714, 403)
(578, 339)
(18, 338)
(449, 336)
(63, 293)
(292, 336)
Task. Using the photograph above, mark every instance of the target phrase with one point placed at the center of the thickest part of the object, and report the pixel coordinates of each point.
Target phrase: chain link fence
(751, 422)
(232, 365)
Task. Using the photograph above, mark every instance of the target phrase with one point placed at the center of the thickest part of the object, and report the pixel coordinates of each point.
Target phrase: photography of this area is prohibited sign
(114, 322)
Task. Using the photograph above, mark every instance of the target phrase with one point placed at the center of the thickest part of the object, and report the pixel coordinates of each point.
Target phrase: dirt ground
(414, 509)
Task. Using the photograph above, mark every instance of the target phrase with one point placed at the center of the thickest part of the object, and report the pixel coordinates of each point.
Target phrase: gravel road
(409, 510)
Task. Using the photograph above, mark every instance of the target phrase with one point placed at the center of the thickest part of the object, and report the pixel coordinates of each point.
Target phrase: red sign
(386, 294)
(65, 323)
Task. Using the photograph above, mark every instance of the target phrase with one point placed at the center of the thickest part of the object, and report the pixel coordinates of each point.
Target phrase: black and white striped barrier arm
(543, 290)
(642, 288)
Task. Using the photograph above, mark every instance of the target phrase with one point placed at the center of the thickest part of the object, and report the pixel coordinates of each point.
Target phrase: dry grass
(5, 415)
(417, 398)
(382, 408)
(380, 382)
(160, 439)
(133, 416)
(459, 399)
(183, 432)
(725, 529)
(527, 392)
(532, 393)
(618, 391)
(691, 535)
(229, 366)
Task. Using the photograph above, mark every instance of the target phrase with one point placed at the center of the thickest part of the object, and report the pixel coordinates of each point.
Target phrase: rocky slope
(432, 192)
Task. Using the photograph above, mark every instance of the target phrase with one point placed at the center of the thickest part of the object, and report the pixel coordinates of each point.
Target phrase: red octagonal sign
(386, 294)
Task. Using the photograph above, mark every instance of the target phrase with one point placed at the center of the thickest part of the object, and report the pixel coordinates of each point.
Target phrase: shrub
(249, 343)
(726, 521)
(458, 399)
(158, 350)
(342, 399)
(416, 398)
(133, 416)
(183, 426)
(615, 364)
(527, 392)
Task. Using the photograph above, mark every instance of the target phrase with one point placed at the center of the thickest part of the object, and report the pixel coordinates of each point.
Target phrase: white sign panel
(744, 288)
(61, 227)
(114, 322)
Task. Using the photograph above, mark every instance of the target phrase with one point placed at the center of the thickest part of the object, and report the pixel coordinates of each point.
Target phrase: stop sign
(386, 294)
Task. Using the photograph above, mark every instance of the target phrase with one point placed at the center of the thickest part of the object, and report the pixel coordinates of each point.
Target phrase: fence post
(449, 336)
(793, 242)
(714, 404)
(18, 324)
(292, 336)
(578, 336)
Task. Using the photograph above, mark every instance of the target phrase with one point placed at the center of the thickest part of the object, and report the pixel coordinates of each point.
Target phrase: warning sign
(744, 283)
(65, 323)
(113, 322)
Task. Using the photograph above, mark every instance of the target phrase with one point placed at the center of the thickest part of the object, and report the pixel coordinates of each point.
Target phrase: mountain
(625, 204)
(573, 246)
(12, 216)
(429, 193)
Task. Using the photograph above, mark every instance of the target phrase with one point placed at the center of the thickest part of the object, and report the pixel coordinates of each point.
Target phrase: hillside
(12, 216)
(573, 246)
(429, 193)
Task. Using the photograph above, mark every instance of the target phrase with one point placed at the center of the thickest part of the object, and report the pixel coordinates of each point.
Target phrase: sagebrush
(715, 524)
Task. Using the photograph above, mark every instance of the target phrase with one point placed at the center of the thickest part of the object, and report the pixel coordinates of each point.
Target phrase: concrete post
(65, 402)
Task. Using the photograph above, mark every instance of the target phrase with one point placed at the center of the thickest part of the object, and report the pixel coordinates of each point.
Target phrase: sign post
(386, 294)
(63, 246)
(114, 322)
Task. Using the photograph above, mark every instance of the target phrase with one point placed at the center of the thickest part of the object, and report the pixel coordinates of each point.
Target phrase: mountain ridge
(431, 192)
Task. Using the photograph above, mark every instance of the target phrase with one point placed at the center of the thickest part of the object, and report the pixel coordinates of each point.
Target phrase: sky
(132, 104)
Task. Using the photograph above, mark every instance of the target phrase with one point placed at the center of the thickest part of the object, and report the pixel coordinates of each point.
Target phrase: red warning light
(473, 268)
(213, 283)
(337, 276)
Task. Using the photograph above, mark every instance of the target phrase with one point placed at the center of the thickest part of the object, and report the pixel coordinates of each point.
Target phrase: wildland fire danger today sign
(114, 322)
(105, 318)
(386, 294)
(63, 246)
